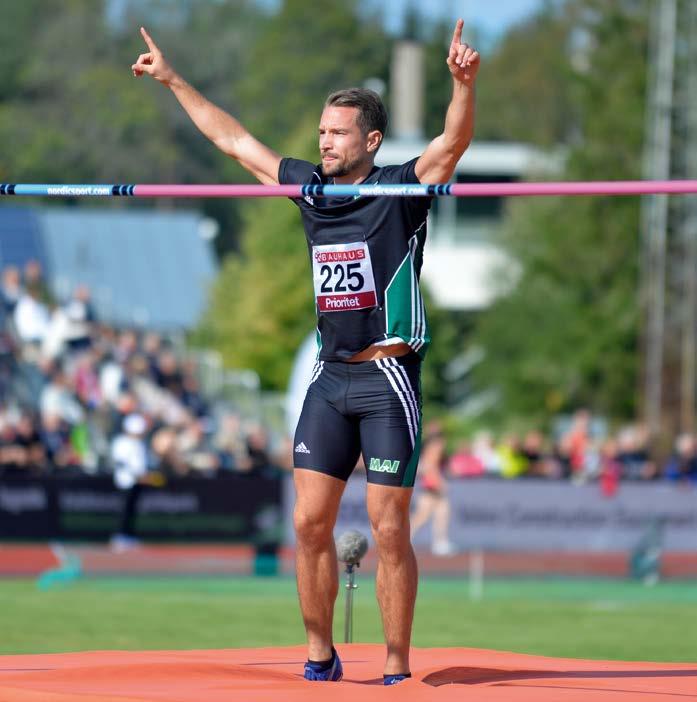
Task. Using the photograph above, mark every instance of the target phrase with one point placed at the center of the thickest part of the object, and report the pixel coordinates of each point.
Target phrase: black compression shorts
(373, 407)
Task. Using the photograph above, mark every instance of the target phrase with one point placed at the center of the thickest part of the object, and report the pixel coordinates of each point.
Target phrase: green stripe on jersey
(405, 315)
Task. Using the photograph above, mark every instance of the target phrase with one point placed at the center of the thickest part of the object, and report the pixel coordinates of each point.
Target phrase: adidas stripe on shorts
(373, 407)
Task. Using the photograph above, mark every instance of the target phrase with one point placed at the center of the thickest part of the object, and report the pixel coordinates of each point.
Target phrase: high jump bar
(600, 187)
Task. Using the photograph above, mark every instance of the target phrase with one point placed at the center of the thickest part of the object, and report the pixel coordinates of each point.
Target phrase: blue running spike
(334, 673)
(395, 679)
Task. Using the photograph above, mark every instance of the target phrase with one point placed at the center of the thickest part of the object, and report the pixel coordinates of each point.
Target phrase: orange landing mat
(273, 675)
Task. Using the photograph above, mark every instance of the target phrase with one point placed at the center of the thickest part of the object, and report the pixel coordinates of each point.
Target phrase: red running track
(274, 675)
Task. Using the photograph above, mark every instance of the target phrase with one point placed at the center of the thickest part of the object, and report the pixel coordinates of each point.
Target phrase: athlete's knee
(391, 532)
(311, 529)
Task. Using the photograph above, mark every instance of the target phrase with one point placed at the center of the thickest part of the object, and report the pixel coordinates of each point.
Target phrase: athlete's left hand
(463, 60)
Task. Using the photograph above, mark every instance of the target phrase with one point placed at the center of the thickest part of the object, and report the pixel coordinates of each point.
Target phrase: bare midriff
(374, 353)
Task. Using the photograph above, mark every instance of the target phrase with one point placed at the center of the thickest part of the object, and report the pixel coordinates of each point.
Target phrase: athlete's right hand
(153, 62)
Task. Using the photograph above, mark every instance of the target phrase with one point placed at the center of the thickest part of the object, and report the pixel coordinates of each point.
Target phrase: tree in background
(297, 62)
(72, 111)
(261, 304)
(566, 335)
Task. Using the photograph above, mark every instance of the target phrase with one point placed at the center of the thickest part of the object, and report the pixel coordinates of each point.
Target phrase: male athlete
(372, 334)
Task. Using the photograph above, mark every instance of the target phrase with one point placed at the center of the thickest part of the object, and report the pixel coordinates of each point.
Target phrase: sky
(491, 16)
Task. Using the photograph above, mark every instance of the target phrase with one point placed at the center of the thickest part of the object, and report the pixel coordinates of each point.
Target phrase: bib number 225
(341, 277)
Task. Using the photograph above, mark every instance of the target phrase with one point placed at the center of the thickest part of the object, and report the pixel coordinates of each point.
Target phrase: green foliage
(262, 302)
(296, 63)
(566, 335)
(525, 88)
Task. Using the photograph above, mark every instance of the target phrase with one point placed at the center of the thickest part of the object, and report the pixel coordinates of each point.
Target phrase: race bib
(343, 277)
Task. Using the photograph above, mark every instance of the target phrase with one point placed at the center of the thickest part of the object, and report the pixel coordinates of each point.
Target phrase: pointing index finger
(148, 39)
(457, 34)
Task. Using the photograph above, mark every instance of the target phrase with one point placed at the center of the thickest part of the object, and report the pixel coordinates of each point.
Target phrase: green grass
(583, 619)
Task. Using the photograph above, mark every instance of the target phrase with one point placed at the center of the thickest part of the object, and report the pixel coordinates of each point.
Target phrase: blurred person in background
(610, 468)
(682, 465)
(484, 451)
(575, 443)
(165, 453)
(168, 374)
(57, 397)
(633, 454)
(539, 464)
(56, 440)
(512, 460)
(34, 279)
(31, 321)
(229, 444)
(21, 450)
(385, 415)
(10, 288)
(195, 448)
(432, 502)
(81, 318)
(464, 463)
(129, 457)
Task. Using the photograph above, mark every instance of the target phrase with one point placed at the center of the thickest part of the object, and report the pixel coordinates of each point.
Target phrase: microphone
(351, 546)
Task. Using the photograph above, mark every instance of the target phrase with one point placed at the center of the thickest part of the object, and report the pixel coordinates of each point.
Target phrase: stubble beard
(341, 168)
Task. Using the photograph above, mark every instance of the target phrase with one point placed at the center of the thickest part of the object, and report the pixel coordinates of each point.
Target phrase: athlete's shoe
(334, 673)
(395, 679)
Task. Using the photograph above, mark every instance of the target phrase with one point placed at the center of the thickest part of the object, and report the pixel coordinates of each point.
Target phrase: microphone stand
(350, 587)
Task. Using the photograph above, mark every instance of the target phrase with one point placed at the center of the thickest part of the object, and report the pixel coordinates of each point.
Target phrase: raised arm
(220, 127)
(438, 161)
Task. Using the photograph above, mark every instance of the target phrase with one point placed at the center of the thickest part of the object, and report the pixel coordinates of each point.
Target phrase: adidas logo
(301, 448)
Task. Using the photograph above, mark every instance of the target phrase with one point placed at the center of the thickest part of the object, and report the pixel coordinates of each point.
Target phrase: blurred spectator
(575, 443)
(432, 502)
(31, 319)
(129, 455)
(513, 462)
(258, 451)
(464, 463)
(80, 319)
(20, 446)
(10, 289)
(191, 395)
(229, 444)
(540, 463)
(86, 381)
(34, 280)
(485, 452)
(633, 454)
(682, 465)
(610, 468)
(166, 457)
(126, 345)
(194, 448)
(167, 373)
(129, 452)
(58, 400)
(112, 379)
(55, 437)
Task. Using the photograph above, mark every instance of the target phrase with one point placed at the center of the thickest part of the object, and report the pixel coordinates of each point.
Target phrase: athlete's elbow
(455, 145)
(228, 145)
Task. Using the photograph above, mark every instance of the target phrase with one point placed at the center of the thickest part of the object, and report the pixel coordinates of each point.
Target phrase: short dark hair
(372, 114)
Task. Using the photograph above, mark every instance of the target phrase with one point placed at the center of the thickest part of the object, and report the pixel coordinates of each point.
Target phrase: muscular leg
(316, 508)
(396, 579)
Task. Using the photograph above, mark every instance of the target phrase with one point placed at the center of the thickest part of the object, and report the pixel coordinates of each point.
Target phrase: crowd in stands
(579, 452)
(78, 396)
